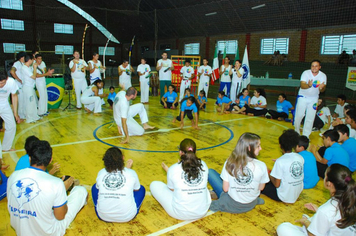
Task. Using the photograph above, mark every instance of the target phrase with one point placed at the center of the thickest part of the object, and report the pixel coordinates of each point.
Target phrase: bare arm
(96, 92)
(126, 131)
(60, 212)
(91, 68)
(120, 71)
(74, 66)
(158, 67)
(305, 85)
(261, 186)
(15, 99)
(13, 73)
(226, 186)
(275, 182)
(313, 149)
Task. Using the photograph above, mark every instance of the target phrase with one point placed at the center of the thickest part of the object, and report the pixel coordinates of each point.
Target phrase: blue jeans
(138, 195)
(3, 186)
(215, 181)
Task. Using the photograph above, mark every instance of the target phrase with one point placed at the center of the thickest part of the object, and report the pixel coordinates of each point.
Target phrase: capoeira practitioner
(143, 71)
(16, 74)
(7, 86)
(125, 71)
(312, 82)
(236, 84)
(187, 74)
(41, 85)
(204, 77)
(124, 113)
(95, 69)
(91, 97)
(77, 67)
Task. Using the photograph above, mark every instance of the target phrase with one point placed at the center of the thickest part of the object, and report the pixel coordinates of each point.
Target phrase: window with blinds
(11, 4)
(13, 47)
(335, 44)
(270, 45)
(231, 46)
(8, 24)
(67, 49)
(63, 28)
(110, 51)
(191, 48)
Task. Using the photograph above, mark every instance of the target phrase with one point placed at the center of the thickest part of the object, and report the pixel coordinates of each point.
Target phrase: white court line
(173, 227)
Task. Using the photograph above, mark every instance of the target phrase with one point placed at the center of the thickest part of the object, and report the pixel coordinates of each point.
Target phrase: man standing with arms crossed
(312, 82)
(165, 67)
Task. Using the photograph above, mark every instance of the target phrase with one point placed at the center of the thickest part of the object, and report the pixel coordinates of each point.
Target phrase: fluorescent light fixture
(211, 13)
(258, 6)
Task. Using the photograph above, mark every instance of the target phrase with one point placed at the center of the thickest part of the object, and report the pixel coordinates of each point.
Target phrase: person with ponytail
(185, 196)
(188, 106)
(242, 177)
(117, 194)
(335, 217)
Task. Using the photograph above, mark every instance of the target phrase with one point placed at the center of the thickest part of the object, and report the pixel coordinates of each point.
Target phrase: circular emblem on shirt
(246, 71)
(315, 105)
(206, 84)
(206, 71)
(316, 83)
(192, 182)
(244, 178)
(146, 69)
(320, 113)
(259, 102)
(114, 181)
(296, 169)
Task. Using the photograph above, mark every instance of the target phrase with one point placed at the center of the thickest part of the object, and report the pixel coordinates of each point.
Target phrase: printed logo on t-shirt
(296, 169)
(206, 71)
(259, 102)
(188, 70)
(146, 69)
(25, 190)
(192, 182)
(114, 181)
(320, 113)
(315, 105)
(206, 84)
(316, 83)
(244, 178)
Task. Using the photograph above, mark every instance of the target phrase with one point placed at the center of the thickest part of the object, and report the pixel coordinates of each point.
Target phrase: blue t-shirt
(220, 101)
(191, 95)
(201, 99)
(243, 101)
(3, 185)
(337, 155)
(350, 147)
(184, 107)
(23, 163)
(284, 106)
(171, 97)
(311, 177)
(112, 96)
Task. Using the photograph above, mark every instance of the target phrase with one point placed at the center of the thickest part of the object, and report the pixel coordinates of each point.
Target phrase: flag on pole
(131, 46)
(215, 75)
(224, 55)
(245, 65)
(237, 55)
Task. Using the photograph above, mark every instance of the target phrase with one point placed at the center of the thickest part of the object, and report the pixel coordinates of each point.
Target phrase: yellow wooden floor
(79, 154)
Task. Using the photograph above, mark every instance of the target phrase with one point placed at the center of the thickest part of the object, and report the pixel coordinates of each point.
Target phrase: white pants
(21, 104)
(125, 83)
(42, 91)
(203, 85)
(288, 229)
(92, 103)
(235, 90)
(134, 128)
(79, 85)
(183, 85)
(30, 104)
(10, 127)
(145, 89)
(306, 106)
(75, 202)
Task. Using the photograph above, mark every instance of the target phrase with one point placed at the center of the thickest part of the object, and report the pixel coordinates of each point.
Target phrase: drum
(55, 90)
(154, 82)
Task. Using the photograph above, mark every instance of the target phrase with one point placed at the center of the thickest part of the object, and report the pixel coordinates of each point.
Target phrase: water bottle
(290, 76)
(267, 75)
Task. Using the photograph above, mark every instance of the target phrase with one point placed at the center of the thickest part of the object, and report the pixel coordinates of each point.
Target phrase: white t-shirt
(9, 87)
(340, 110)
(313, 91)
(27, 72)
(191, 198)
(145, 70)
(225, 77)
(18, 66)
(186, 72)
(352, 132)
(97, 72)
(121, 106)
(124, 74)
(31, 195)
(78, 73)
(323, 222)
(235, 77)
(165, 65)
(116, 201)
(88, 92)
(323, 114)
(41, 70)
(245, 188)
(205, 70)
(261, 100)
(289, 169)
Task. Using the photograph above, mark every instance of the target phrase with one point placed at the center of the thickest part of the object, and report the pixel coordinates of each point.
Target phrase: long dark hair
(262, 92)
(113, 160)
(241, 93)
(191, 164)
(192, 99)
(345, 193)
(322, 104)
